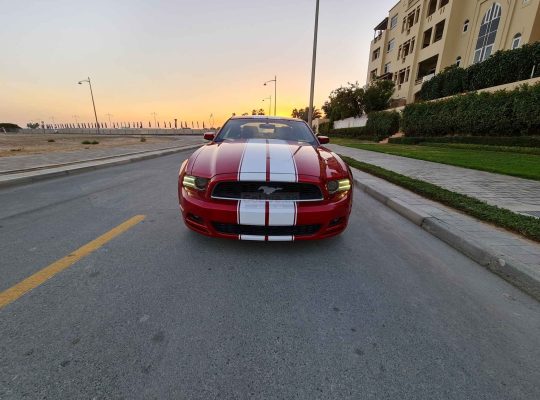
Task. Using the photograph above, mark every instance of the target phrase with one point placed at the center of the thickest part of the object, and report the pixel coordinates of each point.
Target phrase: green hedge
(352, 133)
(503, 113)
(512, 141)
(383, 124)
(501, 68)
(325, 127)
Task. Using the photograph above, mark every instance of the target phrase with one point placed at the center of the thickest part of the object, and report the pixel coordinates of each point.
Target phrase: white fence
(351, 122)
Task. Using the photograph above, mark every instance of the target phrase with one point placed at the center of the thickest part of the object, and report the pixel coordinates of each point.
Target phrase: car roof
(268, 117)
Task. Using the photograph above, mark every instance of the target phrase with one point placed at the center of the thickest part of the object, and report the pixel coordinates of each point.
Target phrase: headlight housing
(342, 185)
(195, 182)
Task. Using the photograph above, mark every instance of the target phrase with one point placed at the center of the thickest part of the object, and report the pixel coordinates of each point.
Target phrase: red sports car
(267, 179)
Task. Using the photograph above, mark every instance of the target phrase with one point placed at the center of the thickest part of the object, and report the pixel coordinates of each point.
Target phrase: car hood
(266, 159)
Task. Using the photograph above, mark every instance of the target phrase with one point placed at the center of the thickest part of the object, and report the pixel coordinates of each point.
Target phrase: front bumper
(220, 218)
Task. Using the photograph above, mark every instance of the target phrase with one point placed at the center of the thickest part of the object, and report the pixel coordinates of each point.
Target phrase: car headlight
(194, 182)
(342, 185)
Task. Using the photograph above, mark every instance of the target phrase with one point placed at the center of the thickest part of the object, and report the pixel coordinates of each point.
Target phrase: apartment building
(419, 38)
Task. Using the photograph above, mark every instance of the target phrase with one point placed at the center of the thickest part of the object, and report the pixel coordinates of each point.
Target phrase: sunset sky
(182, 59)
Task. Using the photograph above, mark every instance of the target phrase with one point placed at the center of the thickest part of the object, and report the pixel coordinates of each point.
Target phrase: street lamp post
(109, 115)
(275, 92)
(313, 63)
(270, 107)
(155, 122)
(93, 102)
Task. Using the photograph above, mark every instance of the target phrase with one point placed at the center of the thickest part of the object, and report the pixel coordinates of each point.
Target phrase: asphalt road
(384, 311)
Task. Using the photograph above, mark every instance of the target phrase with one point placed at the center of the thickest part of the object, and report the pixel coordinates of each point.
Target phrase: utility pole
(313, 63)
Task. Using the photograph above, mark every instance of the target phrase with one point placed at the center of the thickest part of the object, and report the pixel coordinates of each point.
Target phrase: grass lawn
(502, 162)
(522, 224)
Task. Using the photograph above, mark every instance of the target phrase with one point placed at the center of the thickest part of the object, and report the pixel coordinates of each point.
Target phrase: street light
(275, 92)
(314, 61)
(109, 115)
(93, 102)
(270, 107)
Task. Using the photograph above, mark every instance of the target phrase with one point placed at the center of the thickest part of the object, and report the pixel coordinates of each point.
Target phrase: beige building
(419, 38)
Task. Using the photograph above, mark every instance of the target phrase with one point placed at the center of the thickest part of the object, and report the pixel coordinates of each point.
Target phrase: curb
(14, 179)
(515, 272)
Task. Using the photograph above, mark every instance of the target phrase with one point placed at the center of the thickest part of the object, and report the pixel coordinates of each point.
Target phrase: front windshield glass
(249, 128)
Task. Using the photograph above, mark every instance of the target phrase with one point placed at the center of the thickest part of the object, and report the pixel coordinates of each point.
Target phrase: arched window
(487, 34)
(466, 26)
(516, 41)
(458, 61)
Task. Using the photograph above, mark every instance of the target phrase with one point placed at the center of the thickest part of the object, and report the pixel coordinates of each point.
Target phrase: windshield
(263, 128)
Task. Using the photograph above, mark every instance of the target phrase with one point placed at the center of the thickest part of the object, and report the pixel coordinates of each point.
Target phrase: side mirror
(323, 139)
(209, 136)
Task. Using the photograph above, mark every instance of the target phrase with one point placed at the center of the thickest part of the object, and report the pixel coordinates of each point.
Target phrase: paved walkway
(37, 161)
(515, 194)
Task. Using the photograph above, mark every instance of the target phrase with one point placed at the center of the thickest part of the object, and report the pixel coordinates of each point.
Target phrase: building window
(391, 45)
(466, 26)
(443, 3)
(387, 68)
(427, 38)
(487, 34)
(373, 74)
(458, 61)
(376, 54)
(439, 31)
(516, 41)
(393, 22)
(432, 7)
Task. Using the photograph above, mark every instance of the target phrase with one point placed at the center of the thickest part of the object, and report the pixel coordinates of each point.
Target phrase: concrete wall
(351, 122)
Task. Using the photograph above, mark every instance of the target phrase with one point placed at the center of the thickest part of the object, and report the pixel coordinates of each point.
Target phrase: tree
(33, 125)
(303, 113)
(377, 96)
(9, 127)
(345, 102)
(260, 112)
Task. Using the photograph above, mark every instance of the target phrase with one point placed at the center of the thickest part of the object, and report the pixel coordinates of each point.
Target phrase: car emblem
(269, 190)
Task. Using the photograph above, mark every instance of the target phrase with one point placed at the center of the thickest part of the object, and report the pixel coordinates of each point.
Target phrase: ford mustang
(265, 179)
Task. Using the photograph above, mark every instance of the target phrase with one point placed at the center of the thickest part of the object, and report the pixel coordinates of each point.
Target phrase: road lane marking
(13, 293)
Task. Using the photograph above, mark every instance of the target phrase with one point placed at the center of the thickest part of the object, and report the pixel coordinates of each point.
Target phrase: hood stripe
(267, 161)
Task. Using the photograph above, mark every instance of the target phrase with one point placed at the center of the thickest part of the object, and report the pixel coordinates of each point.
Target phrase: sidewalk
(515, 194)
(31, 162)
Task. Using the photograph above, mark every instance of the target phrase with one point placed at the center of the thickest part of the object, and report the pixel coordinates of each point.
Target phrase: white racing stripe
(282, 213)
(282, 168)
(253, 238)
(280, 238)
(252, 212)
(253, 164)
(282, 165)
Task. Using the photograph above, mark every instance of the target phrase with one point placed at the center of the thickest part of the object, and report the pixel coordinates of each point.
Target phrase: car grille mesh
(299, 230)
(267, 191)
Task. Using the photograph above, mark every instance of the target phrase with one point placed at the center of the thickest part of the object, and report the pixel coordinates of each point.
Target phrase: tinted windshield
(242, 129)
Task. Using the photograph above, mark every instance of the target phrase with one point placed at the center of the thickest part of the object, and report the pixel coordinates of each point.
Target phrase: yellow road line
(13, 293)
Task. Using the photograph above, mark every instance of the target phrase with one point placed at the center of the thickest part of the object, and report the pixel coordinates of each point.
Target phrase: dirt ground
(18, 144)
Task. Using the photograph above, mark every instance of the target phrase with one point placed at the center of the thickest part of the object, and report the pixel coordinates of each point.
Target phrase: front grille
(267, 191)
(299, 230)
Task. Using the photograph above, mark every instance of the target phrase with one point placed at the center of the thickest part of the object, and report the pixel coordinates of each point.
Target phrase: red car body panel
(275, 163)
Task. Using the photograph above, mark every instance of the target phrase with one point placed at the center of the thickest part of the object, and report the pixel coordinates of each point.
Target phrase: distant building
(420, 38)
